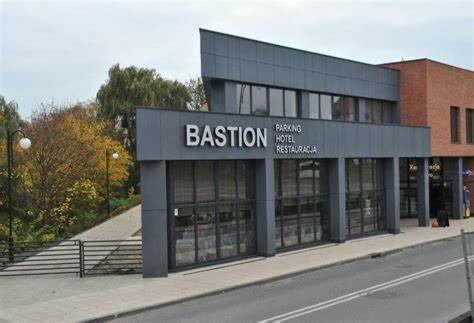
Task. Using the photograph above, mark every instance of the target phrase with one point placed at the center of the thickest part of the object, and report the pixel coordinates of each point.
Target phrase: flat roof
(428, 60)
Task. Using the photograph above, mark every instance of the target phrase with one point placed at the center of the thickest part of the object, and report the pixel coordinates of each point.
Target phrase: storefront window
(212, 222)
(301, 210)
(364, 198)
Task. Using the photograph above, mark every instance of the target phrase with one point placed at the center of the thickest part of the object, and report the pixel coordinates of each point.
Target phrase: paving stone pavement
(71, 299)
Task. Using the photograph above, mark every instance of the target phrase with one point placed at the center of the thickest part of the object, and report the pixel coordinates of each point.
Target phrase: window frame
(469, 126)
(454, 124)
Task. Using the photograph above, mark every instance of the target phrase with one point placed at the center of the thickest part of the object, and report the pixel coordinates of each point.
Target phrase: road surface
(423, 284)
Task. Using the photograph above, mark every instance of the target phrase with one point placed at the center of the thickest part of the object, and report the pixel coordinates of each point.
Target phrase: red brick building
(441, 97)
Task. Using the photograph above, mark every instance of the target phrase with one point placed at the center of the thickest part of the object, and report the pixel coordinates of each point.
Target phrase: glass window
(205, 186)
(353, 175)
(307, 224)
(290, 222)
(288, 178)
(367, 174)
(306, 176)
(184, 235)
(387, 111)
(314, 106)
(226, 179)
(326, 106)
(276, 102)
(227, 231)
(350, 109)
(470, 126)
(259, 100)
(337, 108)
(290, 103)
(183, 185)
(206, 234)
(243, 98)
(376, 111)
(247, 229)
(245, 180)
(368, 111)
(454, 124)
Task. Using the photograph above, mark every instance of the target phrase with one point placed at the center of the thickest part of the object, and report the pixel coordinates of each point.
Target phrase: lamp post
(107, 181)
(25, 143)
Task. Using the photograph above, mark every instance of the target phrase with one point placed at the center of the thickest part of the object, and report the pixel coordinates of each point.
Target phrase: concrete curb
(260, 282)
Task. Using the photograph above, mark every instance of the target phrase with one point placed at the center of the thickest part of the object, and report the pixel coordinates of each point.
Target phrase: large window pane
(387, 111)
(184, 234)
(227, 230)
(376, 111)
(206, 234)
(276, 102)
(259, 100)
(226, 180)
(326, 106)
(243, 98)
(322, 217)
(367, 174)
(353, 175)
(369, 212)
(337, 108)
(290, 222)
(454, 113)
(288, 178)
(245, 180)
(290, 103)
(307, 208)
(183, 184)
(314, 106)
(354, 213)
(247, 229)
(306, 176)
(350, 109)
(205, 185)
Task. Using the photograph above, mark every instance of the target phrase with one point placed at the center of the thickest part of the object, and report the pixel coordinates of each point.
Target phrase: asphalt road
(423, 284)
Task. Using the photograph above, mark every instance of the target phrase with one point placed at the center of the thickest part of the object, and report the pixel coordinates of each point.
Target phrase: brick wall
(427, 91)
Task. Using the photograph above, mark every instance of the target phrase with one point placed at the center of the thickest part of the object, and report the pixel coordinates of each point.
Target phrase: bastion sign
(285, 137)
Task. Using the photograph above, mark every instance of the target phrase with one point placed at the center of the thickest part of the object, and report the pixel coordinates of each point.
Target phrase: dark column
(457, 187)
(265, 186)
(392, 194)
(423, 192)
(154, 219)
(337, 200)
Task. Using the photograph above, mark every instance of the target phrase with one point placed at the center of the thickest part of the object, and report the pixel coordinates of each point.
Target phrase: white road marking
(357, 294)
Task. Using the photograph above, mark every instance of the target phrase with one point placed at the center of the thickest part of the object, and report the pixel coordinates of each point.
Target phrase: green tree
(198, 95)
(132, 86)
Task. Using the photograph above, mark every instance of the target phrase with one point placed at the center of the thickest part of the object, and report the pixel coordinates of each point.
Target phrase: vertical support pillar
(337, 200)
(457, 188)
(154, 219)
(423, 192)
(265, 187)
(392, 194)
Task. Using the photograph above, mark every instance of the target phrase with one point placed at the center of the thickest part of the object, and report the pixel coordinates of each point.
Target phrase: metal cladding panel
(161, 136)
(234, 58)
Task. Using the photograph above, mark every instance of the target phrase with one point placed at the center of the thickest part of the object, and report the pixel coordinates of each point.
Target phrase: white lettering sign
(285, 140)
(221, 136)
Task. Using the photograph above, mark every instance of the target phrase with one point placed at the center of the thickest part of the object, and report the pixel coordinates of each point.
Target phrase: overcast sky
(61, 50)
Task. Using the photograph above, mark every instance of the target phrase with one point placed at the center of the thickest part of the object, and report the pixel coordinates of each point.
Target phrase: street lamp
(107, 184)
(25, 143)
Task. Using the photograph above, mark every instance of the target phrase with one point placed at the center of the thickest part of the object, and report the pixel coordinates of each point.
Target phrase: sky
(60, 51)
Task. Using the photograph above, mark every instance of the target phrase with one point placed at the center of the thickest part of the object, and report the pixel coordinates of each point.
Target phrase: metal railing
(71, 257)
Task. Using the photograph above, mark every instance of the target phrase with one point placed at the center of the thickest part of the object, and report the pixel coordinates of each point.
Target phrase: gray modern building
(297, 149)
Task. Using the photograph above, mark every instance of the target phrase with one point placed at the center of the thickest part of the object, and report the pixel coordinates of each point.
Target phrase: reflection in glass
(259, 100)
(288, 177)
(307, 219)
(354, 213)
(206, 234)
(367, 174)
(326, 106)
(290, 103)
(350, 109)
(305, 168)
(243, 98)
(226, 179)
(337, 108)
(205, 190)
(184, 235)
(352, 173)
(290, 222)
(183, 185)
(227, 231)
(376, 111)
(276, 102)
(247, 229)
(387, 112)
(314, 106)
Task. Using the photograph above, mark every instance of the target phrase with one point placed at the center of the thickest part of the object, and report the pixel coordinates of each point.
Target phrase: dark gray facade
(162, 137)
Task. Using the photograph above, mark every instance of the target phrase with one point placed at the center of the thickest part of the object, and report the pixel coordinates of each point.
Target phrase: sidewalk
(68, 299)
